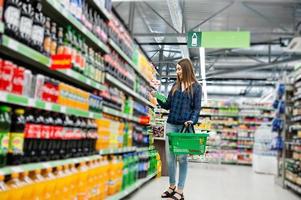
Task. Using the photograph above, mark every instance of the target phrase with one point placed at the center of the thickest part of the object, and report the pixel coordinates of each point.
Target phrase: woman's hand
(153, 92)
(188, 123)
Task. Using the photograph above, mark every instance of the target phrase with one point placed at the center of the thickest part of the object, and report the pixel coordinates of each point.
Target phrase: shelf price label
(60, 61)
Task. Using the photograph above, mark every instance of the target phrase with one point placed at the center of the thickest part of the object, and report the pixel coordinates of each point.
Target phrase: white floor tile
(227, 182)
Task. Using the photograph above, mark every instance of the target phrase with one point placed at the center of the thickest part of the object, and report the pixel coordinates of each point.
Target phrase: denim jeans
(172, 160)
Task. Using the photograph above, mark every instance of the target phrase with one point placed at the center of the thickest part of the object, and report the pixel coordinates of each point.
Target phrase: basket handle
(185, 129)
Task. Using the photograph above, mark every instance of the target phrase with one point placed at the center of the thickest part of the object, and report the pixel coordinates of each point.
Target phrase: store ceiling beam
(255, 67)
(212, 16)
(131, 17)
(185, 43)
(270, 21)
(253, 95)
(185, 34)
(256, 83)
(158, 14)
(176, 18)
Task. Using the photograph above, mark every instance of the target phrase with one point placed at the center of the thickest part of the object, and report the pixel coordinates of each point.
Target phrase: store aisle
(229, 182)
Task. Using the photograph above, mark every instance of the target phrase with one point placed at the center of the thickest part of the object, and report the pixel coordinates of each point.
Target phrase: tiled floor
(228, 182)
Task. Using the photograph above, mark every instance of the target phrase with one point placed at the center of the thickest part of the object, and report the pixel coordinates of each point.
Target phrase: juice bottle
(59, 175)
(28, 185)
(50, 183)
(47, 37)
(74, 181)
(105, 169)
(5, 122)
(4, 191)
(39, 184)
(17, 137)
(82, 182)
(66, 182)
(15, 187)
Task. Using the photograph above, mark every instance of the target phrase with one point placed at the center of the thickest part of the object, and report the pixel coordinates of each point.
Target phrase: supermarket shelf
(117, 151)
(119, 84)
(43, 165)
(244, 163)
(116, 113)
(141, 149)
(219, 115)
(245, 138)
(236, 115)
(296, 118)
(35, 103)
(132, 188)
(83, 79)
(244, 147)
(159, 138)
(293, 186)
(229, 139)
(102, 9)
(229, 162)
(30, 54)
(239, 108)
(63, 12)
(129, 60)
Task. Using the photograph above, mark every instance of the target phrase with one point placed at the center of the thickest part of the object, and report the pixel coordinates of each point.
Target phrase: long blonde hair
(188, 76)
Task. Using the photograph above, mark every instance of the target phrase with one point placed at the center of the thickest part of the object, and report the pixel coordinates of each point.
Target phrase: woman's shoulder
(197, 85)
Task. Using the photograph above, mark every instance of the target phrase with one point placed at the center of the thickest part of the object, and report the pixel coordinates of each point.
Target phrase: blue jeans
(172, 160)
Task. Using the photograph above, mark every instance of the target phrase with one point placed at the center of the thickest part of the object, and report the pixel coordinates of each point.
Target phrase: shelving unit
(21, 54)
(132, 188)
(39, 104)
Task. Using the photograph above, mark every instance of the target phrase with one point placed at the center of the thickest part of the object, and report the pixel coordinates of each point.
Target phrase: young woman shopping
(184, 105)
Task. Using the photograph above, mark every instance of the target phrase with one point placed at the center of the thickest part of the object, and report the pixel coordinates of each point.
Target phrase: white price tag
(63, 109)
(90, 115)
(46, 165)
(88, 81)
(48, 106)
(16, 169)
(31, 102)
(13, 45)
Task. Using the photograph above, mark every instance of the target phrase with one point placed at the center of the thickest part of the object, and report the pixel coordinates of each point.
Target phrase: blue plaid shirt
(183, 106)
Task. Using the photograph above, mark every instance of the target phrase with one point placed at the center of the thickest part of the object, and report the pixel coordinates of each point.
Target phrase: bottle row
(21, 81)
(26, 22)
(97, 179)
(32, 135)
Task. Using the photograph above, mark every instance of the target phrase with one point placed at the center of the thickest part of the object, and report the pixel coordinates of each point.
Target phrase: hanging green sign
(218, 39)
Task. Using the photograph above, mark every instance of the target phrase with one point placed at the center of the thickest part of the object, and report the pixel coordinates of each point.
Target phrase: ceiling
(160, 27)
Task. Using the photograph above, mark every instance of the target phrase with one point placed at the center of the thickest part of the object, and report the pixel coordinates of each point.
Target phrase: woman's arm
(197, 99)
(166, 105)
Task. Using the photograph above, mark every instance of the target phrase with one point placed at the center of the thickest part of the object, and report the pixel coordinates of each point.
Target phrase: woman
(184, 103)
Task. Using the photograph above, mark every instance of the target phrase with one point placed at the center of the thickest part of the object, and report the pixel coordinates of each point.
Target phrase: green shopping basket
(187, 143)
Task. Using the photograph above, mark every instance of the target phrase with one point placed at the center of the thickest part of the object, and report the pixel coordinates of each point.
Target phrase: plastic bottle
(82, 184)
(4, 191)
(5, 122)
(50, 183)
(15, 187)
(12, 20)
(59, 183)
(39, 184)
(28, 185)
(26, 20)
(15, 155)
(106, 178)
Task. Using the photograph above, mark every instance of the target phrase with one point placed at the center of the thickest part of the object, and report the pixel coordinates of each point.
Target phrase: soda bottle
(47, 130)
(38, 142)
(12, 13)
(16, 152)
(55, 142)
(5, 122)
(47, 37)
(53, 47)
(26, 21)
(38, 29)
